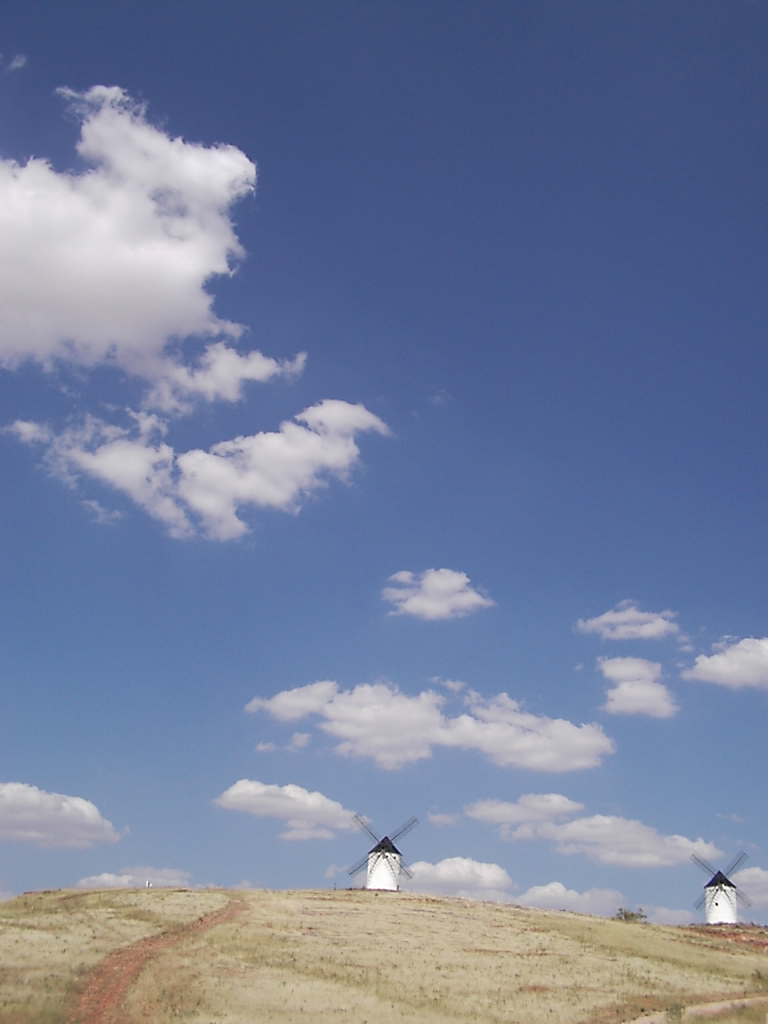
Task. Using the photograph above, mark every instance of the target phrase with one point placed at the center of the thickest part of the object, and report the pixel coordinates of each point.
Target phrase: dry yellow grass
(360, 956)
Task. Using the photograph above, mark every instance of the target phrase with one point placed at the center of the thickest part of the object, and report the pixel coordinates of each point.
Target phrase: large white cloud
(608, 839)
(627, 622)
(32, 815)
(202, 491)
(378, 721)
(434, 594)
(137, 878)
(637, 690)
(736, 663)
(109, 264)
(462, 876)
(309, 815)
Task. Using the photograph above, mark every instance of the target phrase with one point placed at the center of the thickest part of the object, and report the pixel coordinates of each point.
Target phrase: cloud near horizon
(627, 622)
(31, 815)
(434, 594)
(137, 878)
(309, 815)
(378, 721)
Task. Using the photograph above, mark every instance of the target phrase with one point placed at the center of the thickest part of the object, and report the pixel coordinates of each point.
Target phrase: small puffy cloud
(737, 664)
(555, 896)
(441, 820)
(299, 741)
(31, 815)
(434, 594)
(202, 491)
(462, 876)
(309, 815)
(637, 690)
(613, 840)
(378, 721)
(627, 622)
(532, 807)
(137, 878)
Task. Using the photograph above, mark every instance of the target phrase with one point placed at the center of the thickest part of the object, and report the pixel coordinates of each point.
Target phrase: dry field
(225, 957)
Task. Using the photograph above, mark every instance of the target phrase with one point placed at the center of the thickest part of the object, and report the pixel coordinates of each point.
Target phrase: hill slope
(245, 956)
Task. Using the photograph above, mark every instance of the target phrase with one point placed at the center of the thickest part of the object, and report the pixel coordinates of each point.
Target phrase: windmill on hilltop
(721, 896)
(384, 860)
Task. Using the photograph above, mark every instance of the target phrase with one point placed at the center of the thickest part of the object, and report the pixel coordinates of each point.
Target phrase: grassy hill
(239, 957)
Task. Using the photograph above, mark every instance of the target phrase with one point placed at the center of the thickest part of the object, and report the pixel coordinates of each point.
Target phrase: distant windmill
(721, 896)
(384, 861)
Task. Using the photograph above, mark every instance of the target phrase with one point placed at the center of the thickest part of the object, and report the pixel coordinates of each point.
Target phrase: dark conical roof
(385, 845)
(719, 879)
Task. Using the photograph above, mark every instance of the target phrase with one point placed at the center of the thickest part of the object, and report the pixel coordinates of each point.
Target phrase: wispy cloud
(201, 492)
(379, 722)
(627, 622)
(434, 594)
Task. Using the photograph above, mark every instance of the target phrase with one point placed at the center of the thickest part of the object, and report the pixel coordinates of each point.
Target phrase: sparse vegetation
(357, 955)
(623, 914)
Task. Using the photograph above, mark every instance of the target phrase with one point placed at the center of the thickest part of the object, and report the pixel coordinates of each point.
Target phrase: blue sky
(383, 431)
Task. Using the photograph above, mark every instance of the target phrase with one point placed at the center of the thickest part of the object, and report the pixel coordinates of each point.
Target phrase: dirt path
(101, 1001)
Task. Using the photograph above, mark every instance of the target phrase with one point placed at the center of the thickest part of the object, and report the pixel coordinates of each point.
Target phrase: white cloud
(31, 815)
(443, 819)
(637, 690)
(137, 878)
(434, 594)
(555, 896)
(532, 807)
(378, 721)
(753, 882)
(736, 663)
(664, 915)
(462, 876)
(110, 264)
(627, 622)
(620, 841)
(204, 490)
(309, 815)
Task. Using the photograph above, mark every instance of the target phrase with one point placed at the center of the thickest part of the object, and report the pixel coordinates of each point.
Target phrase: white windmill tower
(721, 896)
(384, 861)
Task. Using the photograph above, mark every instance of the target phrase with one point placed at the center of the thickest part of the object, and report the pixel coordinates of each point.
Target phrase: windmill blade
(363, 824)
(406, 870)
(700, 901)
(359, 866)
(704, 865)
(404, 829)
(737, 861)
(742, 897)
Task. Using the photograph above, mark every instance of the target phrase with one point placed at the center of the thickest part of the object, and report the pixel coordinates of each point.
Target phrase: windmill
(384, 860)
(721, 895)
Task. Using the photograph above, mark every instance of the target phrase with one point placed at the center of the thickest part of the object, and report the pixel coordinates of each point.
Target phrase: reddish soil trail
(101, 1001)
